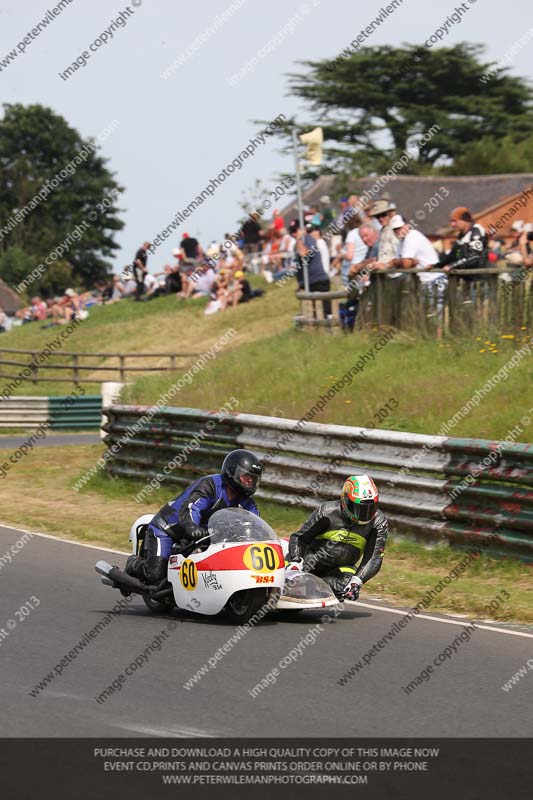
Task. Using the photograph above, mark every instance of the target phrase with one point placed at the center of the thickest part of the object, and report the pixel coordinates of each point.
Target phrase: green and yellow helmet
(359, 499)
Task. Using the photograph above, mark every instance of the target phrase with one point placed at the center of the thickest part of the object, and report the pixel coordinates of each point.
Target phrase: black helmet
(242, 470)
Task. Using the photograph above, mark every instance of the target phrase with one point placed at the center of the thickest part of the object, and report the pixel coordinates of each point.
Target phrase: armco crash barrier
(61, 413)
(75, 413)
(425, 482)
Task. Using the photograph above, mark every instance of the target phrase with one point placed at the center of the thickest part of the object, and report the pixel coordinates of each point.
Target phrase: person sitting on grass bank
(66, 309)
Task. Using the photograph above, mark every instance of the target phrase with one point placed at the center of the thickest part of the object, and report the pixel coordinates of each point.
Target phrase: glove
(351, 592)
(295, 566)
(198, 533)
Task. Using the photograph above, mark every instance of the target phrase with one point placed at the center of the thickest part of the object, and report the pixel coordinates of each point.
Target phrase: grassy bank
(104, 510)
(161, 325)
(426, 382)
(271, 368)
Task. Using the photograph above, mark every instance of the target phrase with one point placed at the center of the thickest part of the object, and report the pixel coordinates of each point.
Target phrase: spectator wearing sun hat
(388, 245)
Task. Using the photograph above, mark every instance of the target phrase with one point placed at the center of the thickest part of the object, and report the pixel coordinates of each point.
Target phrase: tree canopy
(52, 183)
(381, 100)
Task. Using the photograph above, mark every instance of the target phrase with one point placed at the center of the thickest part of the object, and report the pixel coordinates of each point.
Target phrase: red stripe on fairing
(232, 558)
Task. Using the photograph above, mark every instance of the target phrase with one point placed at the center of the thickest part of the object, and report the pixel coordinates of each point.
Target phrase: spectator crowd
(337, 247)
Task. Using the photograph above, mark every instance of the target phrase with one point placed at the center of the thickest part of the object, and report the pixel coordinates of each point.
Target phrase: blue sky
(175, 134)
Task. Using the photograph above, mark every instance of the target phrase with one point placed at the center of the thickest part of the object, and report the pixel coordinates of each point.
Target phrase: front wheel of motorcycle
(159, 606)
(243, 605)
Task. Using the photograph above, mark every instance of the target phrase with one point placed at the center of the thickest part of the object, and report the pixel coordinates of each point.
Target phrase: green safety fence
(75, 413)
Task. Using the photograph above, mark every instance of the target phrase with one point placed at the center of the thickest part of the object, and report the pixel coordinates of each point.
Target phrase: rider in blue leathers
(184, 520)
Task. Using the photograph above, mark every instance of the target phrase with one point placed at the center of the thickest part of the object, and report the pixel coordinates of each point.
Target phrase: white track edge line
(462, 622)
(66, 541)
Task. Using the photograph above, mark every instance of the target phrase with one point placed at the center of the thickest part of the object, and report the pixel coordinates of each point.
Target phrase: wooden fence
(72, 371)
(494, 301)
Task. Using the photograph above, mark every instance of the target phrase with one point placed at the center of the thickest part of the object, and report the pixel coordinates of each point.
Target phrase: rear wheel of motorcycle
(242, 606)
(159, 606)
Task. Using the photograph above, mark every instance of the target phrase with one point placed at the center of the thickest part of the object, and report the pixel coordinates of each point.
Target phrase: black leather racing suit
(469, 251)
(331, 545)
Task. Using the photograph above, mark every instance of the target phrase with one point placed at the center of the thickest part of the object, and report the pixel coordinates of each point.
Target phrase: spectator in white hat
(415, 249)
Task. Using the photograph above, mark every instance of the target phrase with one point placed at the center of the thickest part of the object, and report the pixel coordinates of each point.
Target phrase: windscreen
(238, 525)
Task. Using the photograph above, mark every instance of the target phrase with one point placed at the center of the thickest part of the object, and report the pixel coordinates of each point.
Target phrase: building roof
(9, 300)
(413, 195)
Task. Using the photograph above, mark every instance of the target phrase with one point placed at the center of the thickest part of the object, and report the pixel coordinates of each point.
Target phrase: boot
(134, 567)
(155, 570)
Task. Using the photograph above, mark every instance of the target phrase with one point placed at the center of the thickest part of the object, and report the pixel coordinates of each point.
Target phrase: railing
(454, 304)
(421, 479)
(76, 366)
(23, 412)
(58, 413)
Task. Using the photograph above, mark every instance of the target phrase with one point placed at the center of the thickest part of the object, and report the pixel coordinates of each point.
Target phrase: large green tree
(380, 100)
(36, 145)
(488, 156)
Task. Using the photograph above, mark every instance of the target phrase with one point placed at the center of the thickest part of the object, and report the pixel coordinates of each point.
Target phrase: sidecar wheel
(242, 606)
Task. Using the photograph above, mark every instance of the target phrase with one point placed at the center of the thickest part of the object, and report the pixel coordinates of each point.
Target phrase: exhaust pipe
(162, 594)
(121, 580)
(103, 568)
(128, 582)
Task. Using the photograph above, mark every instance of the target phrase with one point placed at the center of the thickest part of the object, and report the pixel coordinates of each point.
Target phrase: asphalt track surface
(463, 698)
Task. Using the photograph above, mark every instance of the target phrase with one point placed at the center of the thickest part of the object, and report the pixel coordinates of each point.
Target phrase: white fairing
(213, 587)
(144, 519)
(244, 553)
